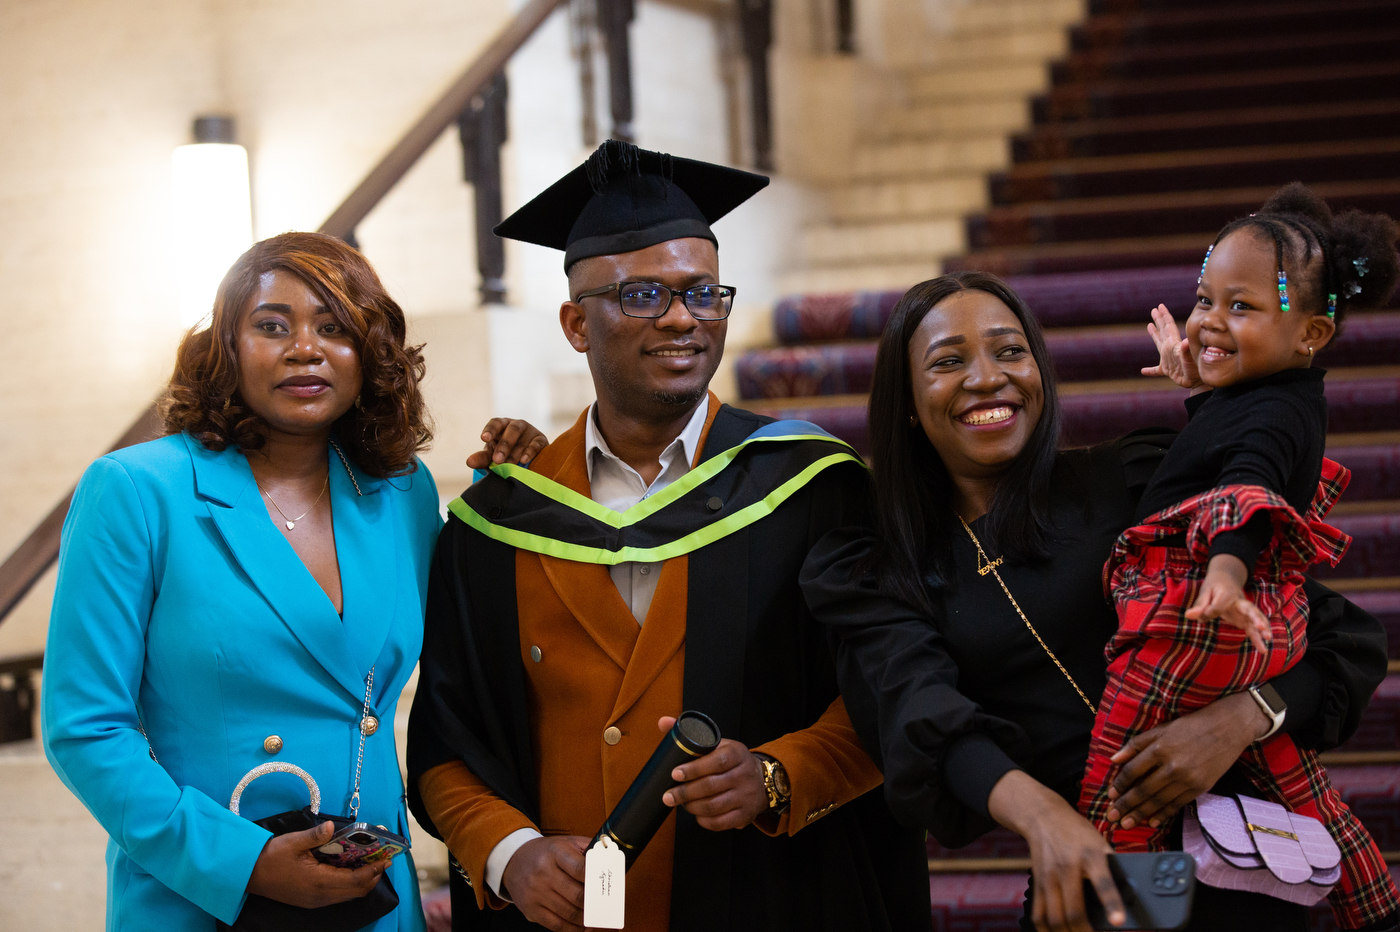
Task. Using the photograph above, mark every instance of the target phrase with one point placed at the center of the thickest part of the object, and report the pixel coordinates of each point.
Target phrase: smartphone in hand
(1157, 890)
(359, 844)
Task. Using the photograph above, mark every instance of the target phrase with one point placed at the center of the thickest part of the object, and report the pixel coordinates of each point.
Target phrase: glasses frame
(617, 287)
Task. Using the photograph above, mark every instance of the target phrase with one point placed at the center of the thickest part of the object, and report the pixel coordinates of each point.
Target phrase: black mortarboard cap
(624, 198)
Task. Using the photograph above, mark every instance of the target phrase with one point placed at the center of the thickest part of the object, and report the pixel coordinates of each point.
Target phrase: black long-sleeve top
(946, 707)
(1270, 432)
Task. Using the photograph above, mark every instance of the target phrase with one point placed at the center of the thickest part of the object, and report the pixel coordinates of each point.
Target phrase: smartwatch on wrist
(1272, 705)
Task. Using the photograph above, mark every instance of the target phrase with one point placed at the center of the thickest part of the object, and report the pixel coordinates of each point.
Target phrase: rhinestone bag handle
(263, 770)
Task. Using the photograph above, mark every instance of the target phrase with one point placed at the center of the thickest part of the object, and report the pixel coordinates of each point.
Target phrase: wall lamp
(213, 213)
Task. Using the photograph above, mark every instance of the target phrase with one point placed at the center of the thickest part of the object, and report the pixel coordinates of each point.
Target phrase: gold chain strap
(985, 566)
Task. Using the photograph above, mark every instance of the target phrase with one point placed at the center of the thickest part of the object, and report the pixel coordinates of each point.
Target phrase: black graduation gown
(756, 662)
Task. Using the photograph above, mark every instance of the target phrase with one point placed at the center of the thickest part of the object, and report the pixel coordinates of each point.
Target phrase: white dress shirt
(616, 485)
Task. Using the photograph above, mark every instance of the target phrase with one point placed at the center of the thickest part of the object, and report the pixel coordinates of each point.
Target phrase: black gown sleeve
(470, 705)
(900, 687)
(1328, 690)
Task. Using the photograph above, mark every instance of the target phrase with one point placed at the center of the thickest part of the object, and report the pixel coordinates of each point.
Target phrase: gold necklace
(985, 566)
(292, 522)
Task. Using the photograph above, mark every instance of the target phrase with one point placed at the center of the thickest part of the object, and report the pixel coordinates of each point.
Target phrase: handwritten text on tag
(604, 885)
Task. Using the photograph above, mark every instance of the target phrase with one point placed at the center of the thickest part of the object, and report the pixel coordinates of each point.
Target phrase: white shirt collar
(687, 444)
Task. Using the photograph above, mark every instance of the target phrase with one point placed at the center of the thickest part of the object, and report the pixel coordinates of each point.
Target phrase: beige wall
(94, 96)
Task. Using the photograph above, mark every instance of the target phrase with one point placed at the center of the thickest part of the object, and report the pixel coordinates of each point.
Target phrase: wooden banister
(23, 568)
(424, 133)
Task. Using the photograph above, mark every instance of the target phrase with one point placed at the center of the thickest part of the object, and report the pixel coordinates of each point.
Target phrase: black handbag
(261, 914)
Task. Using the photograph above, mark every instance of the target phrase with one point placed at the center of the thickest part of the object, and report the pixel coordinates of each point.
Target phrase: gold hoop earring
(1310, 351)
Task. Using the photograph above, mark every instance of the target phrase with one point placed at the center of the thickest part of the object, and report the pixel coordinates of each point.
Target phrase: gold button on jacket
(612, 735)
(369, 726)
(272, 744)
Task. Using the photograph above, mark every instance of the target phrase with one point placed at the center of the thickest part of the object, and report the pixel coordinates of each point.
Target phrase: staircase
(958, 87)
(1165, 121)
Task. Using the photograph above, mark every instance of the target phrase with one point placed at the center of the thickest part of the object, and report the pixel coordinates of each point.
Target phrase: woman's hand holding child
(1176, 361)
(1222, 599)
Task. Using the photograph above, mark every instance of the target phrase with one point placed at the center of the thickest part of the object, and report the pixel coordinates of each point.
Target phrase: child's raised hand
(1222, 599)
(1176, 362)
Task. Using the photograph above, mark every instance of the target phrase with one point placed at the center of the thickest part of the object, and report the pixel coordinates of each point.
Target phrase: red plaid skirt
(1161, 665)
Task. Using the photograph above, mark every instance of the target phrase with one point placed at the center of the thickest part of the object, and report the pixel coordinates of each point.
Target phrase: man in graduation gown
(645, 564)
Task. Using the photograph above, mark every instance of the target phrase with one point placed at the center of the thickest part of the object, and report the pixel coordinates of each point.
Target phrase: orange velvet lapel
(664, 632)
(587, 589)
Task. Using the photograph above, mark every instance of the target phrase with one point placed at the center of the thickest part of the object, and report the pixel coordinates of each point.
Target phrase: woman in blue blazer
(229, 589)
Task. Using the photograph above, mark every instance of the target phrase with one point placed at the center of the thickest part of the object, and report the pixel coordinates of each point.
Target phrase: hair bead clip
(1209, 249)
(1283, 290)
(1332, 306)
(1360, 266)
(1352, 289)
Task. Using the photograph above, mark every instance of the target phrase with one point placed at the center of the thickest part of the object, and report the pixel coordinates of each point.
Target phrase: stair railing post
(482, 127)
(845, 27)
(756, 28)
(615, 18)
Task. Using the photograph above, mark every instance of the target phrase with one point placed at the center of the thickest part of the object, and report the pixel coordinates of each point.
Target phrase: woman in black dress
(972, 619)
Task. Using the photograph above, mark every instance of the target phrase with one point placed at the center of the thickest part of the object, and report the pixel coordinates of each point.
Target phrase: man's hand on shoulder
(544, 879)
(723, 790)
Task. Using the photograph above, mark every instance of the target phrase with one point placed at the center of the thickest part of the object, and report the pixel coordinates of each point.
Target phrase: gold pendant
(291, 525)
(983, 568)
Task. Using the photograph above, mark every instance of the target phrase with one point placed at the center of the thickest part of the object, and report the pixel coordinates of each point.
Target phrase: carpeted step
(1071, 300)
(1132, 252)
(1374, 551)
(1100, 100)
(1358, 401)
(1177, 23)
(1375, 470)
(1270, 125)
(1165, 214)
(1197, 169)
(1380, 726)
(1339, 43)
(1093, 412)
(977, 902)
(1079, 354)
(1385, 605)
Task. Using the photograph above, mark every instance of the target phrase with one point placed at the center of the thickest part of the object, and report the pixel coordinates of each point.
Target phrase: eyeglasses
(653, 299)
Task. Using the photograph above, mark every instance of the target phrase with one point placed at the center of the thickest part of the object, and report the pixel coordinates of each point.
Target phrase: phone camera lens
(1164, 865)
(1180, 866)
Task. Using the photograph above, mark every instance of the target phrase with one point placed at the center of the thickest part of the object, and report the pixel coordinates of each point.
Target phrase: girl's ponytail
(1364, 262)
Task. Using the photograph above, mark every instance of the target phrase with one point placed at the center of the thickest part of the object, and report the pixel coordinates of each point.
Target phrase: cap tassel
(613, 153)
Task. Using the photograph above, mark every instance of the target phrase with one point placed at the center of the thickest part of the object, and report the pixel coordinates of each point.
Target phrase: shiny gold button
(272, 744)
(369, 725)
(612, 735)
(536, 654)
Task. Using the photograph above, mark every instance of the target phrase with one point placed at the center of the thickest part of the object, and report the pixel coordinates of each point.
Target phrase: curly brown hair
(387, 426)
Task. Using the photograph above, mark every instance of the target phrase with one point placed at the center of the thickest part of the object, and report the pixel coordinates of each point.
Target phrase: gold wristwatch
(775, 781)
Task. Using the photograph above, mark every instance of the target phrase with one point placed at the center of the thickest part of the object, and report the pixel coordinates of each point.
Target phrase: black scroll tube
(640, 812)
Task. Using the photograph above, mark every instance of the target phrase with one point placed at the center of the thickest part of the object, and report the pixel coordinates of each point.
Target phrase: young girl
(1233, 516)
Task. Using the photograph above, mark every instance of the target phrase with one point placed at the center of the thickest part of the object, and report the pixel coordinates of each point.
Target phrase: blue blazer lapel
(372, 548)
(235, 506)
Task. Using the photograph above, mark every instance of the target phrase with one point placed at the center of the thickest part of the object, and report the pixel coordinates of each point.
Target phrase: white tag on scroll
(604, 885)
